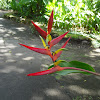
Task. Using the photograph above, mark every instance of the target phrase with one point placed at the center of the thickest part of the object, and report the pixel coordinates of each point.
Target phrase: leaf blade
(76, 64)
(75, 67)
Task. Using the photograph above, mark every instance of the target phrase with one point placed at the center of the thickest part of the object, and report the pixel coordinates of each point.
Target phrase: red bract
(49, 71)
(39, 50)
(42, 32)
(66, 43)
(50, 22)
(55, 57)
(56, 40)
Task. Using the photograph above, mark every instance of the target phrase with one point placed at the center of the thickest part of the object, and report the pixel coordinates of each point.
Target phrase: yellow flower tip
(53, 53)
(47, 47)
(57, 51)
(48, 38)
(44, 44)
(59, 61)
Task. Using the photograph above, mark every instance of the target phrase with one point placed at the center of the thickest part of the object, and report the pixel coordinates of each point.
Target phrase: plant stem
(98, 74)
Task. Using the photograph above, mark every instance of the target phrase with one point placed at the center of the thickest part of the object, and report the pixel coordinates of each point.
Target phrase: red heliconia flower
(55, 57)
(56, 40)
(39, 50)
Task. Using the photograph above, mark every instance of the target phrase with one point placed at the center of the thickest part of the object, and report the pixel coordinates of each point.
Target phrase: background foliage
(78, 15)
(5, 4)
(82, 17)
(28, 8)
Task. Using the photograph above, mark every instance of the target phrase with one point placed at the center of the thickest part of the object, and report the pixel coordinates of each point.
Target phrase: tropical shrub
(77, 15)
(28, 8)
(60, 67)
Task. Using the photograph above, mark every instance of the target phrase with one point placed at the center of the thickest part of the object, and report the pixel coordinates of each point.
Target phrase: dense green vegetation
(29, 8)
(82, 17)
(79, 16)
(5, 4)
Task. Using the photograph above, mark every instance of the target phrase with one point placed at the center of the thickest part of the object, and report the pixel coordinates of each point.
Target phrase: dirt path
(16, 62)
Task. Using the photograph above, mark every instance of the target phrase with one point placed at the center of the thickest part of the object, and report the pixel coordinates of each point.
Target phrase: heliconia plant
(60, 67)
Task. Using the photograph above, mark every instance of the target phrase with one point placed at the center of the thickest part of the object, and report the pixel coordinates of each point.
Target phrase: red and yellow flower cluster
(47, 49)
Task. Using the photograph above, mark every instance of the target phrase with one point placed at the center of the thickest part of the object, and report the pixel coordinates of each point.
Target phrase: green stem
(98, 74)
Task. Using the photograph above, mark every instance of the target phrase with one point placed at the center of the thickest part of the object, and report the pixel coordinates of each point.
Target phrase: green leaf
(75, 64)
(81, 65)
(51, 66)
(65, 72)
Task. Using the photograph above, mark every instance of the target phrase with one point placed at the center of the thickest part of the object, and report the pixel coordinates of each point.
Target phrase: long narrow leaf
(56, 40)
(50, 22)
(42, 32)
(62, 70)
(76, 67)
